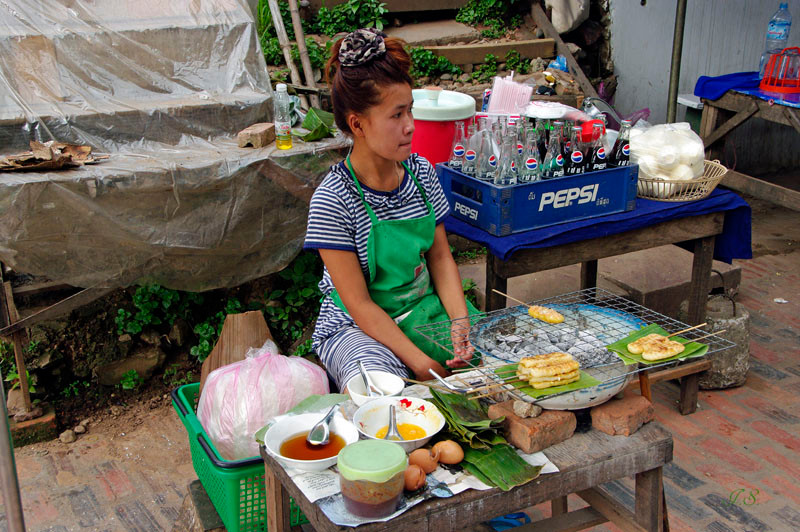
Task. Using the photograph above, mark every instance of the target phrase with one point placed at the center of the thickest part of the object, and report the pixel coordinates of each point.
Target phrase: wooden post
(17, 338)
(286, 46)
(649, 500)
(277, 502)
(494, 301)
(299, 36)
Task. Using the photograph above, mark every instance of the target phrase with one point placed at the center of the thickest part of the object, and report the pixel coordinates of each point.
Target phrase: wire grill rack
(593, 318)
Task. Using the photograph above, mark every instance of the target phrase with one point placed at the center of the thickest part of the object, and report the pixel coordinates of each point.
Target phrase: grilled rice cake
(545, 314)
(655, 347)
(552, 369)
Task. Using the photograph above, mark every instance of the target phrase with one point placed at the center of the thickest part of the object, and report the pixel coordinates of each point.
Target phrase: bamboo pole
(300, 37)
(286, 46)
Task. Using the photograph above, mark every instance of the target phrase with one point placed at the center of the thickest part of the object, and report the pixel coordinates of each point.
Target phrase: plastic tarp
(162, 88)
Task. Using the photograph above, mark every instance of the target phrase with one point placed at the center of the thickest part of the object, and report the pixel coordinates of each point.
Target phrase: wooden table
(723, 115)
(695, 232)
(585, 461)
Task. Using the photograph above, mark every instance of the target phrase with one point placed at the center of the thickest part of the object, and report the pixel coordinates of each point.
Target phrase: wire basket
(690, 190)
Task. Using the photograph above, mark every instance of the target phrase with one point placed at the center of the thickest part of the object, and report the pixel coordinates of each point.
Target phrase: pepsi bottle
(531, 169)
(541, 143)
(597, 157)
(471, 153)
(458, 149)
(554, 159)
(507, 174)
(621, 154)
(576, 164)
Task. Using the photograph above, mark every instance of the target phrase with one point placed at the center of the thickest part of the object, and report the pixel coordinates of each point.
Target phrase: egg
(414, 478)
(449, 452)
(425, 459)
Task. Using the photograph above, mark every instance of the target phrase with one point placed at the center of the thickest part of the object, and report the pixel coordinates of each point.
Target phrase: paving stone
(135, 517)
(790, 516)
(766, 371)
(770, 410)
(682, 478)
(85, 507)
(684, 504)
(734, 513)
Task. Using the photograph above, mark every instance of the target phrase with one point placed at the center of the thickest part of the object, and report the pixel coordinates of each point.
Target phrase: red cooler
(435, 113)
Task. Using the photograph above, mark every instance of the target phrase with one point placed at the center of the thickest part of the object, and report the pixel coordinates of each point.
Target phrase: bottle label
(283, 129)
(458, 150)
(778, 30)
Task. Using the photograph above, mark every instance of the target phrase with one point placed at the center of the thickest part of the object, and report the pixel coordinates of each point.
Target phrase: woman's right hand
(421, 368)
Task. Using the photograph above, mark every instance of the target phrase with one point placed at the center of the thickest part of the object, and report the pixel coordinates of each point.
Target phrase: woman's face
(389, 125)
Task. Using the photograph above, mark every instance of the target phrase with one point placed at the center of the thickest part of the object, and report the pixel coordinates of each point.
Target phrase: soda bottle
(531, 169)
(597, 157)
(487, 159)
(554, 159)
(541, 131)
(472, 149)
(777, 35)
(458, 149)
(507, 174)
(576, 164)
(621, 154)
(558, 130)
(283, 120)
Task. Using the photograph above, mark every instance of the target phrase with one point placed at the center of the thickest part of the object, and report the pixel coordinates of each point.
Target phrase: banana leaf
(502, 466)
(468, 421)
(317, 124)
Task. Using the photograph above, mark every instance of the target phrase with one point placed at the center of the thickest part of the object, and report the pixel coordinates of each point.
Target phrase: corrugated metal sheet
(721, 36)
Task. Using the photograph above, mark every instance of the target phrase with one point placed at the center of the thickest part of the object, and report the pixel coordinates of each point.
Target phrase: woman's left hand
(462, 348)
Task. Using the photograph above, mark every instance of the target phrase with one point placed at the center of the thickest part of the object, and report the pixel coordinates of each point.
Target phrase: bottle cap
(281, 87)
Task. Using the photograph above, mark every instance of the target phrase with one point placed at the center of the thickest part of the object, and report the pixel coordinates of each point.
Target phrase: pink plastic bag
(238, 399)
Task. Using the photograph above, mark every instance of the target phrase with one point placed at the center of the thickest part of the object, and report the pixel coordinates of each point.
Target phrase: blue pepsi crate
(505, 210)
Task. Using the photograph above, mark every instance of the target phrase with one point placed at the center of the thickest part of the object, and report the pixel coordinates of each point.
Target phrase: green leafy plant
(172, 378)
(73, 389)
(485, 72)
(468, 286)
(425, 63)
(517, 63)
(295, 302)
(13, 378)
(155, 306)
(351, 15)
(498, 14)
(131, 380)
(209, 330)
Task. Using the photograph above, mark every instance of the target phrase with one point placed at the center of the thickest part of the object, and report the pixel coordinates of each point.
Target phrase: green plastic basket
(235, 487)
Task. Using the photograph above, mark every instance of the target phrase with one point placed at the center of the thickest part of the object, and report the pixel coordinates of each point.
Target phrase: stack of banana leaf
(487, 454)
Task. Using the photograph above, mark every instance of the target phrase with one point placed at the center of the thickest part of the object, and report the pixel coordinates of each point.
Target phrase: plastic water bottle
(777, 35)
(283, 119)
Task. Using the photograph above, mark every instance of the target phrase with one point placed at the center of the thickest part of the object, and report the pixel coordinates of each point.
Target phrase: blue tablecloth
(733, 243)
(712, 88)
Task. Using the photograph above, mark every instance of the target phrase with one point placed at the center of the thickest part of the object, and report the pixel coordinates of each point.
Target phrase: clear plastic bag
(238, 399)
(670, 152)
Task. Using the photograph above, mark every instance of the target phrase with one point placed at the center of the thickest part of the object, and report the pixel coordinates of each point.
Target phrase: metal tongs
(449, 386)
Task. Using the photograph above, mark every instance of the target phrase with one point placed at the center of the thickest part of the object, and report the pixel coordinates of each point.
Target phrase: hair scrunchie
(361, 46)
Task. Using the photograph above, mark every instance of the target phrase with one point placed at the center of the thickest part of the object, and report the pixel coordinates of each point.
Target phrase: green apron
(399, 281)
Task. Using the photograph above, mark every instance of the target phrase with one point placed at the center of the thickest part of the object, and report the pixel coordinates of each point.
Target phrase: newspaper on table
(323, 488)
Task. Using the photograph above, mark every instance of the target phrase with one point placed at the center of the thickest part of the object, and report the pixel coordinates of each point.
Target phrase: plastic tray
(505, 210)
(236, 488)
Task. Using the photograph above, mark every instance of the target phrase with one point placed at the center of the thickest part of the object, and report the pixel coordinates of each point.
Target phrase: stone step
(434, 33)
(661, 288)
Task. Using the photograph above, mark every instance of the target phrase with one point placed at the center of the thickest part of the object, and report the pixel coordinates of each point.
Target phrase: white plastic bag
(669, 152)
(239, 398)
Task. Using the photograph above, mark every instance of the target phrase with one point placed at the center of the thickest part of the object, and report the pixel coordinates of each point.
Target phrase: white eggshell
(667, 157)
(681, 173)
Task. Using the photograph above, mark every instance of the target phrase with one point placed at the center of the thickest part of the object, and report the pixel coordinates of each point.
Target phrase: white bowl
(288, 427)
(390, 384)
(374, 415)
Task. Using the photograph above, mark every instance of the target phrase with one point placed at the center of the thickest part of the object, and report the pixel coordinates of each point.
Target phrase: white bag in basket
(239, 398)
(668, 152)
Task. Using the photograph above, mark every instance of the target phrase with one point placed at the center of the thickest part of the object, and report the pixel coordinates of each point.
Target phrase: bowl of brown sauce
(286, 441)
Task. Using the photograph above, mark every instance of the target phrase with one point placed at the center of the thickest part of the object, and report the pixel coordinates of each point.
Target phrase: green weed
(425, 63)
(131, 380)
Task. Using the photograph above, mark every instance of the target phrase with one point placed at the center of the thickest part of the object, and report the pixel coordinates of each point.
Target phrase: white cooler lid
(438, 105)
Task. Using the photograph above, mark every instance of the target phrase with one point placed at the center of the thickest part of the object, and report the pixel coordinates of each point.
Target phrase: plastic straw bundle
(508, 96)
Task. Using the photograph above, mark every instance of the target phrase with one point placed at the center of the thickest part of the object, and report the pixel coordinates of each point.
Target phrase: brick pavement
(736, 461)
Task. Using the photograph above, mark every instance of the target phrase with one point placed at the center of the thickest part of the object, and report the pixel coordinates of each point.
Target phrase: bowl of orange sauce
(417, 420)
(286, 441)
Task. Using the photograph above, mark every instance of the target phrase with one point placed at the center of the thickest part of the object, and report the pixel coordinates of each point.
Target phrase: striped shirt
(338, 220)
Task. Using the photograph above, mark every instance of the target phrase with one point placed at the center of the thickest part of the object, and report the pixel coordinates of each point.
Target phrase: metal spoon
(372, 390)
(320, 434)
(456, 389)
(392, 433)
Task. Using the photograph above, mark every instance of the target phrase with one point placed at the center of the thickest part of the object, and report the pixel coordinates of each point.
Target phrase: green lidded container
(371, 474)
